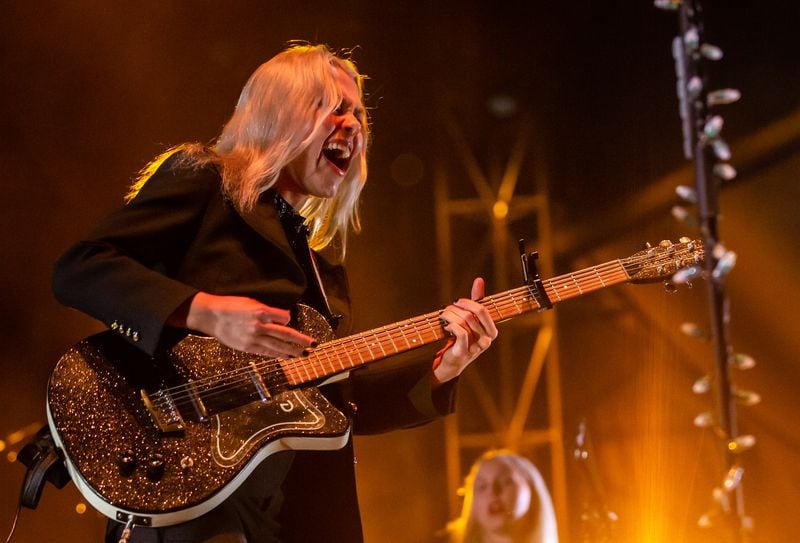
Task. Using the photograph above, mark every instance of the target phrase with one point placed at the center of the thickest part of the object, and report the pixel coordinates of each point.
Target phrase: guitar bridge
(163, 411)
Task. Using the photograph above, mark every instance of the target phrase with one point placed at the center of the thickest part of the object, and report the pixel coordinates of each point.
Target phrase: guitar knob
(126, 462)
(155, 467)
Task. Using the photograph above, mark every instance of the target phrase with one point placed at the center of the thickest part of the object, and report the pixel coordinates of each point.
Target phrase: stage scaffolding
(507, 389)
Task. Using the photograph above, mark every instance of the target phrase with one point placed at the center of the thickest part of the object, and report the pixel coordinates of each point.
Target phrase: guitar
(164, 440)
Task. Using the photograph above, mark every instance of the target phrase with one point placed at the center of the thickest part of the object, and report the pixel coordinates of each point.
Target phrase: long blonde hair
(540, 518)
(279, 109)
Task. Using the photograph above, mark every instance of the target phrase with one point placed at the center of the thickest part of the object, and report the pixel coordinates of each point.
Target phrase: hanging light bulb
(702, 385)
(723, 97)
(743, 361)
(721, 149)
(741, 443)
(713, 126)
(692, 330)
(686, 193)
(686, 275)
(711, 52)
(747, 397)
(733, 478)
(704, 419)
(726, 172)
(667, 5)
(721, 498)
(724, 265)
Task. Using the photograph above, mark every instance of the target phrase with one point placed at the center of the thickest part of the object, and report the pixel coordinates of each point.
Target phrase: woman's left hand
(472, 330)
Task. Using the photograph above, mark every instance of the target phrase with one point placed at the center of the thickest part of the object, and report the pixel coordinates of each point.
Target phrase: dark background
(90, 91)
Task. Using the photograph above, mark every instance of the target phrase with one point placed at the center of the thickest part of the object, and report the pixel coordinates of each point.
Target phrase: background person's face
(501, 497)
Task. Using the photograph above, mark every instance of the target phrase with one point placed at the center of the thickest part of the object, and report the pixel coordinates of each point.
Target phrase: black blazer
(181, 235)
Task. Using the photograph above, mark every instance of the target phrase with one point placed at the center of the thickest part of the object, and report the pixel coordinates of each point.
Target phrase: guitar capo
(530, 275)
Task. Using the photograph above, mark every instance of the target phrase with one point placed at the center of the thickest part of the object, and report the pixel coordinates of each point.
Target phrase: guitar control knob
(126, 462)
(186, 463)
(155, 467)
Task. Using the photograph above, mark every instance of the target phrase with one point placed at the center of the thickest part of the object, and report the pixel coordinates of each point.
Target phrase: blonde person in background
(505, 501)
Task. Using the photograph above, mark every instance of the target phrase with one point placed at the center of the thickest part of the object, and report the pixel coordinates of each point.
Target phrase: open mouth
(338, 153)
(496, 508)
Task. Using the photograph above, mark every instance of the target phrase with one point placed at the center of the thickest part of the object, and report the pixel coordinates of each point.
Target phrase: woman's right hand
(245, 324)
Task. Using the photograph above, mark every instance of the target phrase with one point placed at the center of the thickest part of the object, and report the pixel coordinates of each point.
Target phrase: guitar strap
(44, 463)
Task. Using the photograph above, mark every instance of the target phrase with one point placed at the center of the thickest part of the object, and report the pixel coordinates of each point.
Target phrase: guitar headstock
(663, 260)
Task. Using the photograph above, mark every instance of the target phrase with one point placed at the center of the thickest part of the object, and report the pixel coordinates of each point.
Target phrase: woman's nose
(351, 124)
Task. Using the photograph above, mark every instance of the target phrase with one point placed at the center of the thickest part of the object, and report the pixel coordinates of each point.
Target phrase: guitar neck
(357, 350)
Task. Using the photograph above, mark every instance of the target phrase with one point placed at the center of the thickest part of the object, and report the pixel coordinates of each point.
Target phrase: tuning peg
(724, 171)
(721, 149)
(686, 193)
(711, 52)
(743, 361)
(713, 126)
(723, 97)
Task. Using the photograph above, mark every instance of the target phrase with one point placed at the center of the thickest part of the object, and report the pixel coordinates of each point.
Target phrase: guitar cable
(44, 463)
(16, 515)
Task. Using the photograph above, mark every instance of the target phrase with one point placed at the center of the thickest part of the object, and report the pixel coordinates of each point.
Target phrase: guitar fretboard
(354, 351)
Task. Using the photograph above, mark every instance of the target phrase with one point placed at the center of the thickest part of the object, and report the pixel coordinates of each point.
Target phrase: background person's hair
(539, 522)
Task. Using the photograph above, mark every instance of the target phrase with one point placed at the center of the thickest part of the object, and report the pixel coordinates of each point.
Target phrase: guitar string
(497, 302)
(300, 364)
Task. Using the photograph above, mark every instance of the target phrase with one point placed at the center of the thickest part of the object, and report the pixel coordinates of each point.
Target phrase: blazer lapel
(263, 218)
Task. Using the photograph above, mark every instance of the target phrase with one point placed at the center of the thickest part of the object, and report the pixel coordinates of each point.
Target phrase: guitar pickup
(163, 411)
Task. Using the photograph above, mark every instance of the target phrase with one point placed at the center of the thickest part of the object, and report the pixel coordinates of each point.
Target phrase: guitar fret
(324, 353)
(305, 369)
(600, 277)
(380, 343)
(490, 299)
(574, 280)
(403, 334)
(349, 358)
(553, 290)
(391, 339)
(369, 350)
(421, 339)
(436, 333)
(513, 301)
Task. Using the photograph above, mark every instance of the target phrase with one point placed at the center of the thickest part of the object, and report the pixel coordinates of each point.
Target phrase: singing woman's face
(335, 147)
(501, 497)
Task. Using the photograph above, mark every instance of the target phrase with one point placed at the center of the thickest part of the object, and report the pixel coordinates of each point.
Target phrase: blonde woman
(505, 501)
(226, 240)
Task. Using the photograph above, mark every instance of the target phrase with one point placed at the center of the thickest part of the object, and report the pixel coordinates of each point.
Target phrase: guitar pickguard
(294, 413)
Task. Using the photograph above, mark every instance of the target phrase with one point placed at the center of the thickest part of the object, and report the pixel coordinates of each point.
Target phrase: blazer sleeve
(398, 393)
(121, 273)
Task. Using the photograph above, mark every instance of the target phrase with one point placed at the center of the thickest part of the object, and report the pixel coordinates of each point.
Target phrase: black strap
(44, 463)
